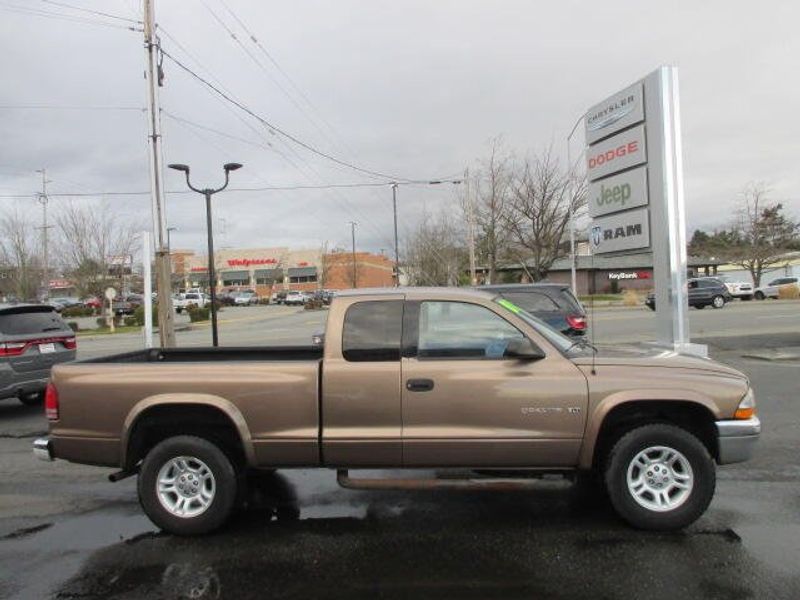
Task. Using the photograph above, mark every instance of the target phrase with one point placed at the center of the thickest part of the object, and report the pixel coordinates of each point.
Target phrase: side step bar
(479, 483)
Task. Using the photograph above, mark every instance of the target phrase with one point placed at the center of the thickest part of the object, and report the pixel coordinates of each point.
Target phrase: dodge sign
(622, 151)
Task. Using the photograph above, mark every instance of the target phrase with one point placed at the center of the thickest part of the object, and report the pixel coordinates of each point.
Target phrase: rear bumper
(737, 439)
(43, 449)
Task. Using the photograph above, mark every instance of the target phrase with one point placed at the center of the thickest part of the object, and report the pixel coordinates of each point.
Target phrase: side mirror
(523, 349)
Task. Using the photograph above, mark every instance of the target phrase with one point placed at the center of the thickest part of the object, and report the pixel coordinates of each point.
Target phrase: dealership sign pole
(635, 173)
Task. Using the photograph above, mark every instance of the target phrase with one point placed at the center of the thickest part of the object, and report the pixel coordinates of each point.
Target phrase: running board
(373, 483)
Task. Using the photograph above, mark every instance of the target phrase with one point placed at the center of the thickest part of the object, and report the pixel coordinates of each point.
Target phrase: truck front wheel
(660, 477)
(187, 485)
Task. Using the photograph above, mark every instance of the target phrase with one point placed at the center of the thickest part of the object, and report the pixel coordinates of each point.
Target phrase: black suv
(705, 291)
(553, 303)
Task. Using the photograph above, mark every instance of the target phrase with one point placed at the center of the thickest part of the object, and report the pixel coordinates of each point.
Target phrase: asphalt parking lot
(66, 532)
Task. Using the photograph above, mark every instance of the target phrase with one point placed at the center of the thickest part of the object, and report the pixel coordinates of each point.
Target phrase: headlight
(747, 407)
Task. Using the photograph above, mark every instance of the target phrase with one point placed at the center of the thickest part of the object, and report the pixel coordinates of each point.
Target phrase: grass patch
(107, 331)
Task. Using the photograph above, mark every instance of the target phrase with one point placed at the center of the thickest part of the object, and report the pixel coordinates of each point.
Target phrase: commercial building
(602, 274)
(272, 269)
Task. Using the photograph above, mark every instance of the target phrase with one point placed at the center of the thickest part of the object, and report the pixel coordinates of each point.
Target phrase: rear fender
(217, 402)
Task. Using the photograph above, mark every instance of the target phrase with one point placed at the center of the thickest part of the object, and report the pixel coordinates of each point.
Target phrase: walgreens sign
(249, 262)
(615, 154)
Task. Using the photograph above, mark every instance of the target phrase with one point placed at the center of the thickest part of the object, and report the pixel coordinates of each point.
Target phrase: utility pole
(396, 248)
(166, 324)
(353, 234)
(471, 226)
(43, 200)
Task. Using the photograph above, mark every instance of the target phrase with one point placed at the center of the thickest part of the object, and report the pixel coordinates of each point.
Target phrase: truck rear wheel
(187, 485)
(660, 477)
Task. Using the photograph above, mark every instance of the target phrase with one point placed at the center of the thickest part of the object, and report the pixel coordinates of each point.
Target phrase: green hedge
(77, 311)
(138, 316)
(199, 314)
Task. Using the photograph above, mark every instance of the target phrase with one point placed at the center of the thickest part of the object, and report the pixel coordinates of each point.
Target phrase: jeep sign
(621, 110)
(618, 192)
(629, 230)
(610, 156)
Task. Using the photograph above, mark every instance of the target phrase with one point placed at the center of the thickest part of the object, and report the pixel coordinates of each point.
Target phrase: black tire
(34, 399)
(759, 296)
(226, 484)
(700, 306)
(670, 436)
(718, 302)
(747, 298)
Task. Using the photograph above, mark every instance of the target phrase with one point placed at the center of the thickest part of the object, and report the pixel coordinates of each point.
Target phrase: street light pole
(43, 199)
(570, 192)
(212, 276)
(396, 247)
(353, 234)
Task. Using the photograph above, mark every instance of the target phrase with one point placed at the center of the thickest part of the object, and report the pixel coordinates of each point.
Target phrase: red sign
(302, 264)
(248, 262)
(60, 283)
(613, 154)
(199, 269)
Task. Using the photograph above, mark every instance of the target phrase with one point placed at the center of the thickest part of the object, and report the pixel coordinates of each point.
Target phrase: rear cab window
(373, 331)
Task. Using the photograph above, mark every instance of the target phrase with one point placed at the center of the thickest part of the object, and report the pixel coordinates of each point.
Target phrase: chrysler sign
(629, 230)
(615, 113)
(618, 192)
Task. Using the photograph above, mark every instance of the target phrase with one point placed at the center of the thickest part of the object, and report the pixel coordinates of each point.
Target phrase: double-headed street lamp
(212, 277)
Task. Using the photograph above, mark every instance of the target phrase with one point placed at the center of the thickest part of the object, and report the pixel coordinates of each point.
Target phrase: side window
(372, 331)
(532, 302)
(461, 330)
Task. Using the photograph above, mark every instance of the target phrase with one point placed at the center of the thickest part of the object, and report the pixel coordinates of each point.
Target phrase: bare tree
(491, 187)
(761, 233)
(18, 254)
(90, 236)
(540, 203)
(435, 253)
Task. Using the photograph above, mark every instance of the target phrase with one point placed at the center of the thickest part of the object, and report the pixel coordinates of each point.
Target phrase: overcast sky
(414, 89)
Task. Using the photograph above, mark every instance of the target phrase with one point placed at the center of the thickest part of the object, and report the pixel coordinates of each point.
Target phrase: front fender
(600, 409)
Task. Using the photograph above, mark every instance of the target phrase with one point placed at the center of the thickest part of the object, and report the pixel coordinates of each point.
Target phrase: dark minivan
(553, 303)
(33, 337)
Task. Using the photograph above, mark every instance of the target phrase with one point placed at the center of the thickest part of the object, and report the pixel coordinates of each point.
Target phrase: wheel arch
(621, 412)
(195, 404)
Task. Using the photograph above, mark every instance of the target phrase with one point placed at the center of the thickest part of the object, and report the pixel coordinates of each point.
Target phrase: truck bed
(206, 354)
(270, 393)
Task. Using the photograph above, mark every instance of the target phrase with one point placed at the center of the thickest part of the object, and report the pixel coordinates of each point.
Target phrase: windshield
(559, 340)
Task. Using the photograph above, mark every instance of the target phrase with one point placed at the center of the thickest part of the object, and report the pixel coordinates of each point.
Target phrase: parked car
(772, 289)
(553, 303)
(245, 298)
(737, 289)
(126, 305)
(704, 291)
(278, 297)
(33, 338)
(92, 302)
(190, 300)
(58, 304)
(294, 298)
(418, 378)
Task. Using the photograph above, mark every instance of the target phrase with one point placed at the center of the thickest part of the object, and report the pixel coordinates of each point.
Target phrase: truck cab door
(466, 403)
(360, 408)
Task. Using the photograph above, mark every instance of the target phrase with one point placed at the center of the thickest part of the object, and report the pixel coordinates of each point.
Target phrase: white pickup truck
(190, 300)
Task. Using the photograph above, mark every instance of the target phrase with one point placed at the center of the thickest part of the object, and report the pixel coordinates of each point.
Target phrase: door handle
(419, 385)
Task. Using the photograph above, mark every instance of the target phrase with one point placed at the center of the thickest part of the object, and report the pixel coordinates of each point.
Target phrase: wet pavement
(65, 532)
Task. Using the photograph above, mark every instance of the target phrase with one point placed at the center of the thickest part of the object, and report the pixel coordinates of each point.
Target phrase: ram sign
(629, 230)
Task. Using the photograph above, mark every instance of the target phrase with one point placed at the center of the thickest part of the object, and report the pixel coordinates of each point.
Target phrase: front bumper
(43, 449)
(737, 439)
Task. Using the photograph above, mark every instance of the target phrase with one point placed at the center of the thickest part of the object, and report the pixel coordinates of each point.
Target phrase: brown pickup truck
(409, 378)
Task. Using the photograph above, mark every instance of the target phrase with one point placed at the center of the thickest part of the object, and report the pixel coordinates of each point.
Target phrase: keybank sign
(618, 192)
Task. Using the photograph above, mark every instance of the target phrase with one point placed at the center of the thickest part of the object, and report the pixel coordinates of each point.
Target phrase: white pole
(148, 291)
(571, 191)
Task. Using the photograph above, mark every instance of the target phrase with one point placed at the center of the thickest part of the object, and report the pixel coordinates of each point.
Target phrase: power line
(25, 10)
(90, 11)
(277, 129)
(268, 188)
